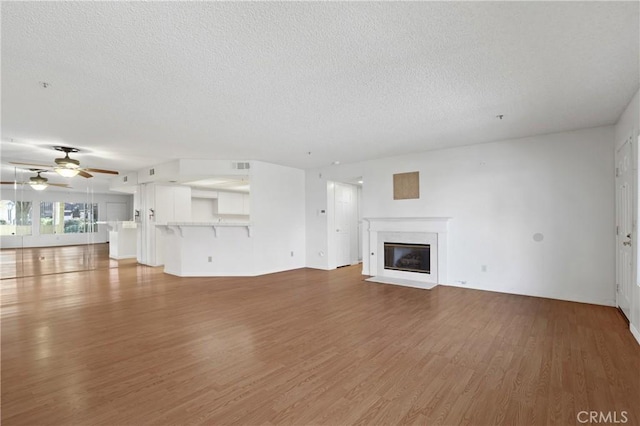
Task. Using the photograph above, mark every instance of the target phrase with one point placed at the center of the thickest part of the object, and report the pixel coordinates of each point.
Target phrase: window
(68, 218)
(80, 218)
(47, 222)
(15, 217)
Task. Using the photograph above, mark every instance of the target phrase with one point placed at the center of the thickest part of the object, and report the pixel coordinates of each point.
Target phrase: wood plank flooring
(133, 346)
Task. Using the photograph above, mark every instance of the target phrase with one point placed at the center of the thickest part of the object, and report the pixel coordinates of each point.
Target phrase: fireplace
(407, 257)
(410, 251)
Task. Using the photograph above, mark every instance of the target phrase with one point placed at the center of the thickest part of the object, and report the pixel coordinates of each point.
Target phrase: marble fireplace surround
(420, 230)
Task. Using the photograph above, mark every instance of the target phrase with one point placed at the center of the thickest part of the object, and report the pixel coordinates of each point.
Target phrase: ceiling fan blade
(61, 185)
(42, 166)
(111, 172)
(85, 174)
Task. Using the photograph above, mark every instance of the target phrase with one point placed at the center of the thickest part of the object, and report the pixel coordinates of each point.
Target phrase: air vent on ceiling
(240, 166)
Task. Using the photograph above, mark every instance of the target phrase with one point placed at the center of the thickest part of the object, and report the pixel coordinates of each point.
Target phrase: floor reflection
(26, 262)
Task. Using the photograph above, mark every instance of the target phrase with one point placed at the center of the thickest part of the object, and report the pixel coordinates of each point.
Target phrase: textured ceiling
(139, 83)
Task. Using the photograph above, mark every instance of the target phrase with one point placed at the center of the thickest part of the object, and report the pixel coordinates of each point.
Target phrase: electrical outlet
(291, 254)
(462, 282)
(210, 259)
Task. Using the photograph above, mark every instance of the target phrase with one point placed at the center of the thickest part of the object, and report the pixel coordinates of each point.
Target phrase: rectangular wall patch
(406, 186)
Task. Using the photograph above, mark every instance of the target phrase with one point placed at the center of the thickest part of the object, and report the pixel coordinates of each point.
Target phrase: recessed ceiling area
(225, 183)
(133, 84)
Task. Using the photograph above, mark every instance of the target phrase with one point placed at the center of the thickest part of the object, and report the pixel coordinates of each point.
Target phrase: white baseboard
(608, 302)
(122, 257)
(635, 332)
(402, 282)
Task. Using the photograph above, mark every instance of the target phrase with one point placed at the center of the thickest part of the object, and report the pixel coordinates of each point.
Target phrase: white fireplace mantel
(408, 224)
(431, 230)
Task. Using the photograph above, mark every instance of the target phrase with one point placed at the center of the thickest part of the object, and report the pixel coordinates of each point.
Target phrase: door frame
(332, 239)
(634, 210)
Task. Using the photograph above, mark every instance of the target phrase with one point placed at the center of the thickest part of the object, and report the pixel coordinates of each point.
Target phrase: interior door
(624, 227)
(344, 205)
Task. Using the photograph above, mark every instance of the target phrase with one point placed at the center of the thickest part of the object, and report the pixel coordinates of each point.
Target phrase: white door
(344, 206)
(624, 227)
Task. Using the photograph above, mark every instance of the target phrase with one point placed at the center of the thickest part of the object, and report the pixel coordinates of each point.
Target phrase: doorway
(624, 226)
(345, 227)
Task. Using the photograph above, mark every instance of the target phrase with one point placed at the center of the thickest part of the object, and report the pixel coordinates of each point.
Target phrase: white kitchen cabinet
(158, 204)
(246, 207)
(233, 203)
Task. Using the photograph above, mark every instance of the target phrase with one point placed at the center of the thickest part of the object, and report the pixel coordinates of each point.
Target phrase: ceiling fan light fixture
(67, 171)
(39, 186)
(38, 182)
(67, 162)
(65, 166)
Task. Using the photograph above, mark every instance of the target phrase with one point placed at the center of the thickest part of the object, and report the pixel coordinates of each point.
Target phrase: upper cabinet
(233, 203)
(172, 204)
(245, 204)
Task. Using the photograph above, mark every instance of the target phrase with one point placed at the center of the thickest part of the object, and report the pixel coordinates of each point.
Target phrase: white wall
(629, 125)
(278, 217)
(277, 230)
(187, 252)
(500, 194)
(317, 203)
(46, 240)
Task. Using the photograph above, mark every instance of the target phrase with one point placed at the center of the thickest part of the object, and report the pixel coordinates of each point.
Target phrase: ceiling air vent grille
(240, 166)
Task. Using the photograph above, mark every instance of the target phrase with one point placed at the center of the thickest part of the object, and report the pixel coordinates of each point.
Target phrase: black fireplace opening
(408, 257)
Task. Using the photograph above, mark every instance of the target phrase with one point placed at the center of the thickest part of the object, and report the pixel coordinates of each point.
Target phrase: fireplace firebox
(407, 257)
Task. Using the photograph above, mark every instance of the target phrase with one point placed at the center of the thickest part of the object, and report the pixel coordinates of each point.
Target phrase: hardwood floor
(131, 345)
